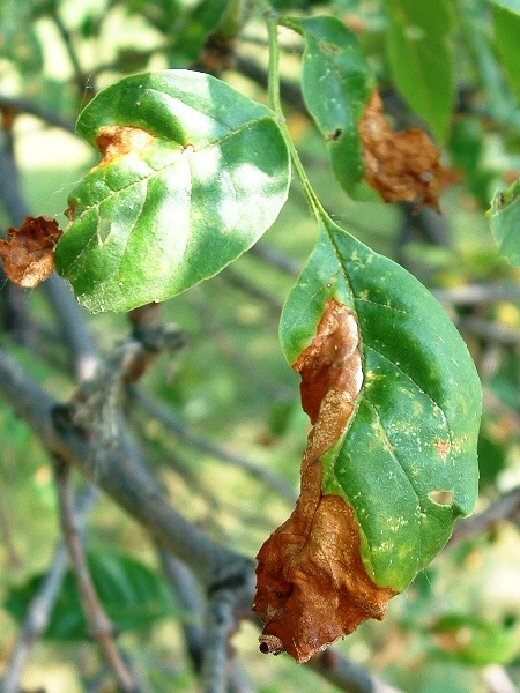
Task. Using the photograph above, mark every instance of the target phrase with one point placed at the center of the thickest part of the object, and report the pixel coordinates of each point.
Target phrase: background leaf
(151, 223)
(133, 595)
(202, 20)
(337, 83)
(415, 428)
(472, 639)
(506, 15)
(504, 217)
(19, 42)
(420, 51)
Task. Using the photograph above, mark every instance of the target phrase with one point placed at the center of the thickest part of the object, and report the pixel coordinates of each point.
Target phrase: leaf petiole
(276, 105)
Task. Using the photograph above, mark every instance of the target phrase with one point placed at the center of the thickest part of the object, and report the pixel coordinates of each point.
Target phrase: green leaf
(162, 14)
(506, 15)
(209, 180)
(492, 457)
(19, 42)
(420, 51)
(471, 639)
(133, 595)
(504, 216)
(414, 431)
(466, 147)
(337, 84)
(202, 21)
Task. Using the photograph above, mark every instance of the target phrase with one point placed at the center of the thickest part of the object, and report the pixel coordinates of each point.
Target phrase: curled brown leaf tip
(401, 166)
(312, 583)
(28, 252)
(118, 140)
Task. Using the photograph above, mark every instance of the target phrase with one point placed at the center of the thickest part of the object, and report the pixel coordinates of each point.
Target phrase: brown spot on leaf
(312, 584)
(443, 447)
(401, 166)
(28, 252)
(118, 140)
(328, 47)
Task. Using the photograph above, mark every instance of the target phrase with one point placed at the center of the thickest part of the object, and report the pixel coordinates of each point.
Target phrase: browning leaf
(401, 166)
(28, 252)
(118, 140)
(312, 583)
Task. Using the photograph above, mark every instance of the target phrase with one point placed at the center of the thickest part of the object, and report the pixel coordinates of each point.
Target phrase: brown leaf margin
(312, 583)
(401, 166)
(28, 252)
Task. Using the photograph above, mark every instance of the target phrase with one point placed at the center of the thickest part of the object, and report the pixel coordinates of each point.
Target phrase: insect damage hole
(335, 135)
(441, 497)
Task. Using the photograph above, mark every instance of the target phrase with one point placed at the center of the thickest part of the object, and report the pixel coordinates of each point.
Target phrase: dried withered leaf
(401, 166)
(28, 252)
(312, 583)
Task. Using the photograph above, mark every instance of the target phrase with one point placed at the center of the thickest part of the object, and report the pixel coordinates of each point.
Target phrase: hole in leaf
(336, 134)
(441, 497)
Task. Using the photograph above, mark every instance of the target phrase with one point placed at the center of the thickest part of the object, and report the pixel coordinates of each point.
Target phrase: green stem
(276, 105)
(273, 75)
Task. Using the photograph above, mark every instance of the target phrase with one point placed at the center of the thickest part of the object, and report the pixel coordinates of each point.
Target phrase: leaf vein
(381, 305)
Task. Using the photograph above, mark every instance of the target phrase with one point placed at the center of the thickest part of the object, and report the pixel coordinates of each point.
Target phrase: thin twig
(476, 294)
(20, 104)
(188, 594)
(494, 405)
(100, 626)
(15, 309)
(168, 419)
(251, 289)
(81, 80)
(490, 331)
(41, 605)
(123, 476)
(74, 328)
(346, 674)
(507, 507)
(240, 357)
(276, 258)
(117, 468)
(220, 624)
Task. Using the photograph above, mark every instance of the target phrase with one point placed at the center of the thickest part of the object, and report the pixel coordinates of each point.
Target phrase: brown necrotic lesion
(120, 140)
(312, 583)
